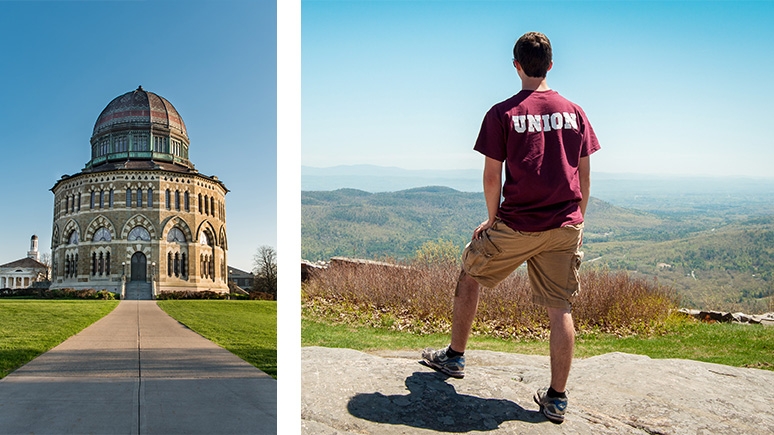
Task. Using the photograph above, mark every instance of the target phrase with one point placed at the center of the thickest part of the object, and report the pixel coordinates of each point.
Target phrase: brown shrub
(419, 299)
(190, 294)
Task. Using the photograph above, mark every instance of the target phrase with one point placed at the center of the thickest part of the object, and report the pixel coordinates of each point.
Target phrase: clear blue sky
(63, 62)
(679, 88)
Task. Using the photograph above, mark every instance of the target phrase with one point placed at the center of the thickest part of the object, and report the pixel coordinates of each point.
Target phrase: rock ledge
(351, 392)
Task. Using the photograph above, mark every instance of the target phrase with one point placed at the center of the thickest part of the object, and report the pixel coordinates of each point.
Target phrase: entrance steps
(138, 291)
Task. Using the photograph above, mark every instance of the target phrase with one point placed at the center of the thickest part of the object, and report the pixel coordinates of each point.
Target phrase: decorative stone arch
(55, 241)
(97, 223)
(133, 249)
(138, 220)
(173, 222)
(69, 227)
(207, 227)
(223, 240)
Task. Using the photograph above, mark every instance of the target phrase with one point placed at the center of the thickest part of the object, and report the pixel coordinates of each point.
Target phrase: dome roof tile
(140, 108)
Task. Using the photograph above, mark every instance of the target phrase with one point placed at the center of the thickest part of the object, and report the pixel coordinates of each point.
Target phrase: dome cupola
(139, 126)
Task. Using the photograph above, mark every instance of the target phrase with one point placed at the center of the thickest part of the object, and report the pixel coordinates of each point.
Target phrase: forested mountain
(715, 260)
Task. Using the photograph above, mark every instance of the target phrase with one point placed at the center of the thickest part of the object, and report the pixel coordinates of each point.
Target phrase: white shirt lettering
(537, 123)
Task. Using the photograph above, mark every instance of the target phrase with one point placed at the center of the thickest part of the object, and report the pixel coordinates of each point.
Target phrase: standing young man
(545, 142)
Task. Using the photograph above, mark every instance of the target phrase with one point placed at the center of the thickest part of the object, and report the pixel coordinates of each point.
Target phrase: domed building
(139, 213)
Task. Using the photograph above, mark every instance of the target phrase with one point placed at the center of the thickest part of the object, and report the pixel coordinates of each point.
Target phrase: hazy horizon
(478, 171)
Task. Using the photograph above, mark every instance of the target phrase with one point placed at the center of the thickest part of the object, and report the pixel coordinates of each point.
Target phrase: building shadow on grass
(434, 404)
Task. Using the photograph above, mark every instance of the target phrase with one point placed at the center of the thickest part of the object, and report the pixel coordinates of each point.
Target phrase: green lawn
(730, 344)
(29, 327)
(248, 329)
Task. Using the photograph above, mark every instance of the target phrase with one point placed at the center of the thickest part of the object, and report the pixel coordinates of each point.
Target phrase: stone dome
(139, 125)
(139, 108)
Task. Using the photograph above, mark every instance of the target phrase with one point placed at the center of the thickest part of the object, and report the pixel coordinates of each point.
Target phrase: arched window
(101, 264)
(102, 235)
(101, 199)
(73, 239)
(107, 263)
(93, 263)
(111, 198)
(91, 204)
(139, 197)
(183, 265)
(200, 203)
(128, 197)
(166, 198)
(212, 206)
(150, 198)
(78, 199)
(138, 233)
(177, 264)
(169, 264)
(175, 235)
(206, 205)
(177, 200)
(186, 201)
(204, 239)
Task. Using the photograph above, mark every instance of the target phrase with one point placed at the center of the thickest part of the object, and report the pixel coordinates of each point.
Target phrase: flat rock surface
(350, 392)
(138, 371)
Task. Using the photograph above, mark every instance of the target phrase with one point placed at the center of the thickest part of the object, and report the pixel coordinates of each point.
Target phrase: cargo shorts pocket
(478, 254)
(574, 283)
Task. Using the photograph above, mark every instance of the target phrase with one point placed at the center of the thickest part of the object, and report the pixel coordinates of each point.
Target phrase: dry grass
(419, 299)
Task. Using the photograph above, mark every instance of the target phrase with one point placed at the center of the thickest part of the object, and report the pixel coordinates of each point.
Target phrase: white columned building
(23, 273)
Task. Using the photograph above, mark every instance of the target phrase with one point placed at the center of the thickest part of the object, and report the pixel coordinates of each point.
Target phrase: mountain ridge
(714, 261)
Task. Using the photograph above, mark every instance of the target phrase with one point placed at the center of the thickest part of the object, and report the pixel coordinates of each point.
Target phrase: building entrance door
(139, 267)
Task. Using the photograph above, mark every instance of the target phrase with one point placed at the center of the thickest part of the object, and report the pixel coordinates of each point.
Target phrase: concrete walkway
(138, 371)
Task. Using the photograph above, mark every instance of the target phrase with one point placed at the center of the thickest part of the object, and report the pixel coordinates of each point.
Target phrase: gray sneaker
(552, 407)
(437, 359)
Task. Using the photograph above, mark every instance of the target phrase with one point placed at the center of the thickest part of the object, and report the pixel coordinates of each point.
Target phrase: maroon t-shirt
(541, 137)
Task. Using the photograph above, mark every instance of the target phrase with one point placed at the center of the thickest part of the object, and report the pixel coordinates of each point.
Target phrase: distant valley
(710, 239)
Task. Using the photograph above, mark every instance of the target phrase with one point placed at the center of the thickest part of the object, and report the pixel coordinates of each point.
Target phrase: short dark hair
(533, 52)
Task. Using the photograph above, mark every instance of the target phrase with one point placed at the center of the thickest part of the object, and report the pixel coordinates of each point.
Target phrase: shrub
(189, 294)
(443, 252)
(260, 296)
(65, 293)
(20, 292)
(419, 299)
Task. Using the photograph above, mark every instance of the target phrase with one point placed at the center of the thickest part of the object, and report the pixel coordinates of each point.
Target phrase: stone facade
(139, 212)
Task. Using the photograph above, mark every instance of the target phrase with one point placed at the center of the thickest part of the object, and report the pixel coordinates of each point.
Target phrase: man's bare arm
(493, 185)
(584, 174)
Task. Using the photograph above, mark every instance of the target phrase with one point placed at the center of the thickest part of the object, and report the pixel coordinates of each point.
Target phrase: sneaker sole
(442, 369)
(554, 418)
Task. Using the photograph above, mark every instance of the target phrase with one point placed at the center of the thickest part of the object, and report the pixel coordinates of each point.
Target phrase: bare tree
(265, 271)
(45, 258)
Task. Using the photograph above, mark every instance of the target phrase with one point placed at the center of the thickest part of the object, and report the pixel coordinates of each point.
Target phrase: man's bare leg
(465, 306)
(562, 343)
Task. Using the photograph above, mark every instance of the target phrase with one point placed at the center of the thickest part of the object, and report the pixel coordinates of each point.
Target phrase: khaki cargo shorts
(552, 260)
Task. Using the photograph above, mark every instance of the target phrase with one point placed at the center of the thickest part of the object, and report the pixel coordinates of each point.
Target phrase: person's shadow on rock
(434, 404)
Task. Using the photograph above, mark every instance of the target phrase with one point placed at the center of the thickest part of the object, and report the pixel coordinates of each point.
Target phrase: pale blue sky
(680, 88)
(63, 62)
